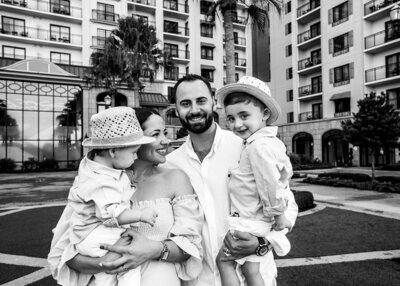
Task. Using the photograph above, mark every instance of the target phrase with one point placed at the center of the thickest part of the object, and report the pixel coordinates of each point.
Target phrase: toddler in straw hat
(256, 186)
(100, 195)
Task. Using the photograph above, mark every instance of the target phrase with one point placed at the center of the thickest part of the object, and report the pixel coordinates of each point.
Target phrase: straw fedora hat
(115, 127)
(253, 87)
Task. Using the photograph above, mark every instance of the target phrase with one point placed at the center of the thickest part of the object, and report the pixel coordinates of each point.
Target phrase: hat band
(118, 140)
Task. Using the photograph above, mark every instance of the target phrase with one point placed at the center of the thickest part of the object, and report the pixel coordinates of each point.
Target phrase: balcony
(383, 75)
(308, 12)
(146, 6)
(342, 114)
(309, 115)
(33, 35)
(310, 92)
(98, 42)
(309, 39)
(176, 9)
(382, 41)
(179, 56)
(240, 63)
(172, 74)
(378, 9)
(239, 22)
(176, 33)
(309, 65)
(104, 17)
(43, 9)
(239, 42)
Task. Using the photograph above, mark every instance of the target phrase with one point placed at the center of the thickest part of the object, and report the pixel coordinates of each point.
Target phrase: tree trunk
(136, 95)
(229, 46)
(373, 164)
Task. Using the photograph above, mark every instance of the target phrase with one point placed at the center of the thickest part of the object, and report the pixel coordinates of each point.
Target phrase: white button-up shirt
(209, 180)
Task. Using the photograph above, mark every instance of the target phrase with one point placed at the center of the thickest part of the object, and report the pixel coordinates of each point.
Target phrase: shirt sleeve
(272, 170)
(186, 233)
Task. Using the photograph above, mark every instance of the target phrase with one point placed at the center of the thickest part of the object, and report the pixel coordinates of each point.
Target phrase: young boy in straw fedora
(256, 186)
(100, 195)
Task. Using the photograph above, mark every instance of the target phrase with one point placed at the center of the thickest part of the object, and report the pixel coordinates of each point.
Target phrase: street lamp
(107, 101)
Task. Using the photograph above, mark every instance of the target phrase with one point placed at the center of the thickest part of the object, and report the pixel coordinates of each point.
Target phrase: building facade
(326, 56)
(45, 47)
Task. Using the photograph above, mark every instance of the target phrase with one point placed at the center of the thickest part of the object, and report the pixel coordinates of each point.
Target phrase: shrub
(347, 176)
(48, 164)
(7, 164)
(390, 179)
(304, 200)
(392, 167)
(30, 164)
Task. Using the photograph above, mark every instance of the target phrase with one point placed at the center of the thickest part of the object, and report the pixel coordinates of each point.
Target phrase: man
(206, 157)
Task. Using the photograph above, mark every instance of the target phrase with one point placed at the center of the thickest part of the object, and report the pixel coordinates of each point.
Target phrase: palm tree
(257, 14)
(129, 54)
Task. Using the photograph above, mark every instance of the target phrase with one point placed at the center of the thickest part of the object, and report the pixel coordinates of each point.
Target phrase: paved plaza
(33, 203)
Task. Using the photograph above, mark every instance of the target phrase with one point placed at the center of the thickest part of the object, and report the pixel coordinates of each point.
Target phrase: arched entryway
(335, 149)
(105, 100)
(303, 144)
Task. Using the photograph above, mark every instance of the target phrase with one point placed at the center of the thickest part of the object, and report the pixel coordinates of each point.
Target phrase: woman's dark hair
(143, 113)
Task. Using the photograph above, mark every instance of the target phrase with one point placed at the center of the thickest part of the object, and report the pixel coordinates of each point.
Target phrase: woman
(175, 236)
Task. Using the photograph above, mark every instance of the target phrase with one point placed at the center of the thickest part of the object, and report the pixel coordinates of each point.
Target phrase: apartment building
(326, 56)
(45, 47)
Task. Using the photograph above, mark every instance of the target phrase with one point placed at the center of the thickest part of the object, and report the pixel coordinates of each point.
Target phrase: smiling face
(123, 158)
(194, 105)
(156, 151)
(245, 118)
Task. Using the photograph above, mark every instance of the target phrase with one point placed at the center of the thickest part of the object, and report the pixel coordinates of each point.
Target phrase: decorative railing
(182, 54)
(145, 2)
(309, 62)
(304, 9)
(175, 29)
(310, 89)
(307, 116)
(342, 114)
(381, 37)
(176, 6)
(308, 35)
(375, 5)
(382, 72)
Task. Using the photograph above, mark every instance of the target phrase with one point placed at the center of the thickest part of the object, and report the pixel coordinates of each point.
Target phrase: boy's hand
(149, 216)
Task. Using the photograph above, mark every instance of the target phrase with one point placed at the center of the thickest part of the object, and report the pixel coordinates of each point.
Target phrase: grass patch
(29, 232)
(371, 272)
(11, 272)
(335, 231)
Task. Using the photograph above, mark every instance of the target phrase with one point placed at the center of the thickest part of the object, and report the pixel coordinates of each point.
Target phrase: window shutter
(330, 16)
(286, 29)
(330, 75)
(351, 67)
(287, 51)
(330, 46)
(351, 40)
(350, 6)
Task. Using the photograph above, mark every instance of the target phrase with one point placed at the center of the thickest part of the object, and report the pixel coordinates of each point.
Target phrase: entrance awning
(207, 67)
(153, 99)
(341, 95)
(205, 44)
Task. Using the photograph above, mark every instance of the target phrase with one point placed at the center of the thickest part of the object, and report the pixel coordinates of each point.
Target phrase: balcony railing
(182, 54)
(309, 62)
(175, 29)
(102, 15)
(308, 35)
(47, 6)
(237, 41)
(310, 89)
(239, 20)
(238, 62)
(304, 9)
(341, 51)
(307, 116)
(382, 72)
(376, 5)
(342, 114)
(41, 34)
(381, 38)
(98, 41)
(145, 2)
(176, 6)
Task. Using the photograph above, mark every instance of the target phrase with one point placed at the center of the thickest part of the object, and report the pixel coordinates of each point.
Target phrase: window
(393, 65)
(316, 84)
(392, 30)
(208, 74)
(289, 95)
(172, 50)
(340, 14)
(341, 75)
(207, 53)
(289, 73)
(13, 52)
(60, 33)
(206, 30)
(105, 12)
(60, 58)
(288, 49)
(171, 73)
(171, 27)
(171, 95)
(60, 7)
(342, 107)
(316, 111)
(236, 77)
(288, 7)
(144, 19)
(315, 30)
(102, 35)
(340, 44)
(205, 6)
(288, 28)
(13, 26)
(393, 95)
(290, 117)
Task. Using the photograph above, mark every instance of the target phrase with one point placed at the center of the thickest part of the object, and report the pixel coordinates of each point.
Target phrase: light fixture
(395, 13)
(107, 100)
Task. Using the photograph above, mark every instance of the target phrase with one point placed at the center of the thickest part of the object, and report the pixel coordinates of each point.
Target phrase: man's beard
(199, 127)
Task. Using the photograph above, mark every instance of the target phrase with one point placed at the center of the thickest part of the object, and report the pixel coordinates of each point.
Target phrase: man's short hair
(241, 97)
(191, 77)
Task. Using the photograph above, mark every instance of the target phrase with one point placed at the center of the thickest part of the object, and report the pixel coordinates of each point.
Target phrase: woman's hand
(238, 244)
(140, 250)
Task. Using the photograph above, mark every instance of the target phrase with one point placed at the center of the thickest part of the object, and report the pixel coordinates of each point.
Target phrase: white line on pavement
(24, 208)
(22, 260)
(352, 257)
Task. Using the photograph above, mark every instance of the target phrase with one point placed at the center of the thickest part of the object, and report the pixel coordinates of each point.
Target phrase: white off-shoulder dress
(179, 220)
